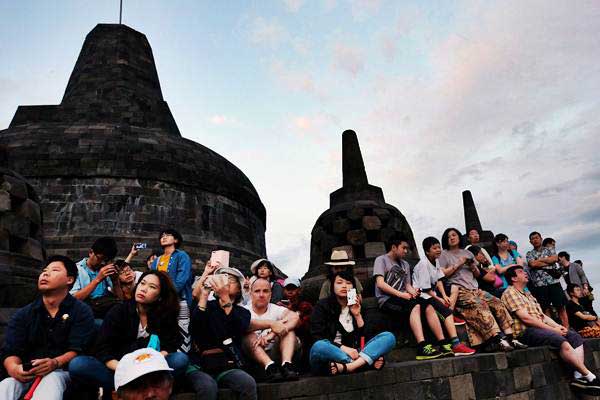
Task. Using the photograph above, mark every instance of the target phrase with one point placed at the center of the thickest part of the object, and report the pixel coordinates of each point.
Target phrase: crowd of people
(102, 327)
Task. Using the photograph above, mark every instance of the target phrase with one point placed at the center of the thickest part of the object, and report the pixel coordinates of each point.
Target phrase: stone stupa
(110, 160)
(358, 221)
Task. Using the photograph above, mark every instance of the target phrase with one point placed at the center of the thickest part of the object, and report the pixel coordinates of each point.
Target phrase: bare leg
(257, 353)
(450, 327)
(351, 366)
(570, 356)
(415, 323)
(434, 323)
(287, 346)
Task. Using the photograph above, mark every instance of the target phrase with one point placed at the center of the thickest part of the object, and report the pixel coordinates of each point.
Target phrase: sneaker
(273, 374)
(518, 345)
(428, 352)
(446, 350)
(458, 320)
(462, 350)
(505, 346)
(593, 386)
(289, 373)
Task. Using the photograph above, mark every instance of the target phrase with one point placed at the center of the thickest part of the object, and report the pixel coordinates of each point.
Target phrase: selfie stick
(34, 386)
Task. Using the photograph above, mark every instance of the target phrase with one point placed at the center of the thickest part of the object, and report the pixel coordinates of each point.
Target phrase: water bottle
(233, 352)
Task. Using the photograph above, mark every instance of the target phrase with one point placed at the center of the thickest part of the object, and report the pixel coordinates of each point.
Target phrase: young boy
(396, 295)
(426, 278)
(579, 318)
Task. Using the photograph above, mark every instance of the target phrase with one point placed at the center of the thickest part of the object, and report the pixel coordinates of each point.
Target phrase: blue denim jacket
(180, 271)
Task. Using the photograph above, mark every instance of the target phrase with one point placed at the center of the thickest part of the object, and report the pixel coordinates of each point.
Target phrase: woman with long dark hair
(148, 320)
(337, 329)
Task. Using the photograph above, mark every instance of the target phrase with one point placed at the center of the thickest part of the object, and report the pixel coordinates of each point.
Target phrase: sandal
(382, 364)
(333, 366)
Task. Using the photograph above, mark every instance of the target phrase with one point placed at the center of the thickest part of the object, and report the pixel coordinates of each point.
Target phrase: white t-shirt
(273, 313)
(426, 275)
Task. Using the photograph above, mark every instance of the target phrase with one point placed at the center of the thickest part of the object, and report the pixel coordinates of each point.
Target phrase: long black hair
(166, 307)
(348, 275)
(445, 244)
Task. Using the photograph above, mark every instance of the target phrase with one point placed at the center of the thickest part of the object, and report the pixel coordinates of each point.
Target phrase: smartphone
(285, 302)
(27, 366)
(139, 246)
(351, 295)
(220, 256)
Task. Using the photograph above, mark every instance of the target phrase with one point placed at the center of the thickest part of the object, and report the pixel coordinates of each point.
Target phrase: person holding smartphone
(338, 330)
(44, 336)
(217, 328)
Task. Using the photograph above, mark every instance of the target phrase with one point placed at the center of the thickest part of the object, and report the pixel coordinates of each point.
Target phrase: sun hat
(340, 257)
(139, 363)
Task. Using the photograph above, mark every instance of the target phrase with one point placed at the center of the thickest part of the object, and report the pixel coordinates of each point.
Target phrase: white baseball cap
(139, 363)
(291, 281)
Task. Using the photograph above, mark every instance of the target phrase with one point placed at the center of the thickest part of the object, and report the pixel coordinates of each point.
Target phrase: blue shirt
(511, 259)
(85, 276)
(32, 333)
(180, 271)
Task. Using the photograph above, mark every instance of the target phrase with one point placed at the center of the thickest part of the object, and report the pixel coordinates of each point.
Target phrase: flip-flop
(382, 365)
(333, 364)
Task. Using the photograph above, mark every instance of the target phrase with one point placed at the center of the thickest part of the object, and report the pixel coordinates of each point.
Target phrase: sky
(501, 98)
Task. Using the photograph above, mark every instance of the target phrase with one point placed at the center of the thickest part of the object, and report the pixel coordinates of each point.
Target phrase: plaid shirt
(514, 300)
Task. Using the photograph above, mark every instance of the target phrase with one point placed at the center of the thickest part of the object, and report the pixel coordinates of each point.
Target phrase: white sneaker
(505, 345)
(518, 345)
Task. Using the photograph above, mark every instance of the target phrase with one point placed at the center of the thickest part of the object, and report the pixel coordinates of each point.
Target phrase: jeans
(323, 352)
(90, 371)
(51, 387)
(206, 387)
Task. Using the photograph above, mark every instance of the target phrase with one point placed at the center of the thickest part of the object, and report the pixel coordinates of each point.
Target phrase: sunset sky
(501, 98)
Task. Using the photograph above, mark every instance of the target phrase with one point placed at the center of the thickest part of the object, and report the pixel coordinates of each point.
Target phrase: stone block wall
(529, 374)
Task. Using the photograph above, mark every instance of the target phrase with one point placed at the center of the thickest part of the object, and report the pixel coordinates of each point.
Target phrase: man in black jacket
(45, 335)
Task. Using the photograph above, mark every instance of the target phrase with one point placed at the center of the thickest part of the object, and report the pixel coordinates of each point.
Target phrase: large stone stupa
(110, 160)
(358, 220)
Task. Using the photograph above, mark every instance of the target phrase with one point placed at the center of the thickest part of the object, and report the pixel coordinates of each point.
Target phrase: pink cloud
(267, 32)
(293, 6)
(348, 58)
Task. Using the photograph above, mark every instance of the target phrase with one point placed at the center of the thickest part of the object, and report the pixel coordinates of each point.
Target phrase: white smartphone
(220, 256)
(351, 295)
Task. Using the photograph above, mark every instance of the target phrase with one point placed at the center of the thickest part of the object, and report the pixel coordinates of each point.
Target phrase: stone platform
(534, 373)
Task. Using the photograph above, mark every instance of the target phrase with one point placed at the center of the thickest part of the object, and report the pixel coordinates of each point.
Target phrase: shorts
(549, 295)
(438, 306)
(545, 337)
(397, 305)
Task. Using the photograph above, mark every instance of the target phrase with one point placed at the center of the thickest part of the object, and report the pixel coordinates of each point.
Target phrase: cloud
(315, 126)
(363, 9)
(293, 6)
(221, 120)
(269, 33)
(296, 79)
(348, 58)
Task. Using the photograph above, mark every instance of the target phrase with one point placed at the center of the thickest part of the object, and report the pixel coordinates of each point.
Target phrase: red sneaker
(462, 350)
(458, 320)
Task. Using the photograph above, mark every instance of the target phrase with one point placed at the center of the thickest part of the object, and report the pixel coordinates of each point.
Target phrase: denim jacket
(180, 271)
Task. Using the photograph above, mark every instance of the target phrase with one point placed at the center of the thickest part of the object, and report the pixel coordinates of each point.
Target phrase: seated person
(488, 279)
(178, 265)
(473, 238)
(484, 313)
(128, 278)
(217, 328)
(579, 318)
(292, 290)
(339, 262)
(96, 275)
(337, 329)
(44, 336)
(549, 243)
(263, 268)
(503, 257)
(271, 337)
(534, 328)
(148, 319)
(396, 295)
(426, 279)
(143, 374)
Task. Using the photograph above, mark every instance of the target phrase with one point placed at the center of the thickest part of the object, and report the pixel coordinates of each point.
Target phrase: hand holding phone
(27, 366)
(351, 296)
(139, 246)
(220, 258)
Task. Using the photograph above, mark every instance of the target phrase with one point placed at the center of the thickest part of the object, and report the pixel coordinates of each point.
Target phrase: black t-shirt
(574, 321)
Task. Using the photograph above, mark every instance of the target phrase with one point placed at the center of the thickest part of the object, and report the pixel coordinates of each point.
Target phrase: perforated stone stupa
(358, 220)
(110, 160)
